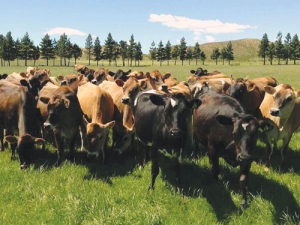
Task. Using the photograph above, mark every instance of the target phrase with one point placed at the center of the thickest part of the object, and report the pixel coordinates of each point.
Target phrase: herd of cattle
(154, 110)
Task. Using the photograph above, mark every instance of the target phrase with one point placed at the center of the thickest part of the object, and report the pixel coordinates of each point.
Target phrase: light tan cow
(281, 105)
(98, 108)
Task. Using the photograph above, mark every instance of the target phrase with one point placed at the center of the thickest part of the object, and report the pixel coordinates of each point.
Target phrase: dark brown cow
(123, 130)
(98, 108)
(64, 117)
(120, 74)
(221, 125)
(281, 105)
(18, 114)
(250, 96)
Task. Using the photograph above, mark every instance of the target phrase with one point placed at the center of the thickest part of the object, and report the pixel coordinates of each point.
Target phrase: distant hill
(243, 50)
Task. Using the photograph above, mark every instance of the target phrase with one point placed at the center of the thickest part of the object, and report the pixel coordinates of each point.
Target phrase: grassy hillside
(244, 49)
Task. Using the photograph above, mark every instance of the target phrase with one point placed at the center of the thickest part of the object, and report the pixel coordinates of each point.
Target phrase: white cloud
(67, 31)
(210, 38)
(198, 26)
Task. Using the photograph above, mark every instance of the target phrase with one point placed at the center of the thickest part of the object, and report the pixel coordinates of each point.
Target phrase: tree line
(282, 50)
(128, 51)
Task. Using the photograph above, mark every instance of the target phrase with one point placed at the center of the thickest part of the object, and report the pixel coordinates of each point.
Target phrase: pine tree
(215, 54)
(182, 50)
(202, 57)
(108, 51)
(76, 52)
(271, 52)
(189, 54)
(263, 47)
(152, 52)
(2, 43)
(168, 51)
(89, 47)
(26, 48)
(295, 48)
(47, 48)
(279, 47)
(123, 51)
(9, 49)
(131, 49)
(175, 53)
(287, 48)
(230, 54)
(223, 54)
(197, 52)
(97, 50)
(160, 53)
(138, 53)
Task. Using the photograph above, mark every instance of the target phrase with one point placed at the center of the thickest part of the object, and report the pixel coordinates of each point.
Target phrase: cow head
(176, 110)
(120, 74)
(25, 147)
(99, 76)
(238, 88)
(72, 81)
(244, 135)
(284, 99)
(156, 77)
(96, 134)
(57, 106)
(131, 88)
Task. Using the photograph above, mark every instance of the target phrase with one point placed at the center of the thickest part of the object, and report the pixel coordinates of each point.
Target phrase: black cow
(221, 125)
(160, 122)
(120, 74)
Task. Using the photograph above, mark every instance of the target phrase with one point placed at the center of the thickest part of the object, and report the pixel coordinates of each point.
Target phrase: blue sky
(165, 20)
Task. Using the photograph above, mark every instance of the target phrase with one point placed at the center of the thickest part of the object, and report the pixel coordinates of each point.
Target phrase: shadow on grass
(196, 181)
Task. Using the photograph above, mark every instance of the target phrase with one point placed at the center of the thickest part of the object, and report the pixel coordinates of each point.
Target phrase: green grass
(116, 192)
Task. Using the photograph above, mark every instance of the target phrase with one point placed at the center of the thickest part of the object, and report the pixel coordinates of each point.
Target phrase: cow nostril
(93, 82)
(274, 112)
(125, 100)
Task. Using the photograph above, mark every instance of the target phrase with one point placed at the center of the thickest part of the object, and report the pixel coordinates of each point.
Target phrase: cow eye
(289, 99)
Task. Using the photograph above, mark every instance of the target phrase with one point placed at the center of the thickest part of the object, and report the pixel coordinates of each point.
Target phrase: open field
(116, 192)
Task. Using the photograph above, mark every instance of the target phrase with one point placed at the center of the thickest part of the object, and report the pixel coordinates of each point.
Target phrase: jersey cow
(123, 129)
(64, 117)
(221, 125)
(281, 105)
(98, 108)
(18, 114)
(164, 118)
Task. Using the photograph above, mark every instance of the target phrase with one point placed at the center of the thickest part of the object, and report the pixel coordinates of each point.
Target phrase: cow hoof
(24, 167)
(244, 206)
(151, 188)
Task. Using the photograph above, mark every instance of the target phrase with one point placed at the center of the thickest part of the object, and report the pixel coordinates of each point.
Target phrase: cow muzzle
(24, 166)
(125, 100)
(274, 112)
(175, 132)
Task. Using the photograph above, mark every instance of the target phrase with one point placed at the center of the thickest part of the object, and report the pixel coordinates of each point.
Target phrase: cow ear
(156, 99)
(192, 71)
(246, 79)
(224, 120)
(60, 77)
(166, 76)
(250, 86)
(195, 103)
(22, 74)
(45, 100)
(110, 73)
(143, 84)
(39, 140)
(66, 102)
(119, 82)
(298, 93)
(24, 82)
(270, 90)
(108, 125)
(11, 139)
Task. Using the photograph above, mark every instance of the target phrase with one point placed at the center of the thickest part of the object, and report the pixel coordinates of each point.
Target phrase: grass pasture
(116, 192)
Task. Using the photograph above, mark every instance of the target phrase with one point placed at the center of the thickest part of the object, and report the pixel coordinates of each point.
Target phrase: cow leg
(154, 166)
(72, 148)
(1, 139)
(59, 146)
(284, 151)
(214, 161)
(178, 161)
(244, 173)
(269, 151)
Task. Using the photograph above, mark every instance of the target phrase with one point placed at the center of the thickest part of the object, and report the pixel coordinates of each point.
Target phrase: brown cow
(221, 125)
(18, 114)
(99, 76)
(98, 108)
(282, 106)
(64, 117)
(123, 130)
